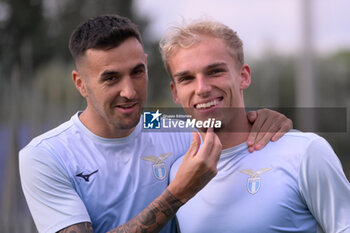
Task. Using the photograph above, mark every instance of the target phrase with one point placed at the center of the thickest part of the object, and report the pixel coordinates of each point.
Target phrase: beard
(125, 121)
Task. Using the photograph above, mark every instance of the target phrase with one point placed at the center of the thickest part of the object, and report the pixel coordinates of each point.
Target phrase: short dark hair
(102, 32)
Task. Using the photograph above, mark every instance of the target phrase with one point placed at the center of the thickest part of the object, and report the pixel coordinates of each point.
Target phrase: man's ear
(79, 83)
(245, 77)
(174, 92)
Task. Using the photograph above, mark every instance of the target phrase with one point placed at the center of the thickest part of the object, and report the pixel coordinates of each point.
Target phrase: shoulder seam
(39, 139)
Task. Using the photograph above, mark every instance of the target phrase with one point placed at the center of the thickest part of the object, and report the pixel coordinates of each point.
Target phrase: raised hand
(198, 167)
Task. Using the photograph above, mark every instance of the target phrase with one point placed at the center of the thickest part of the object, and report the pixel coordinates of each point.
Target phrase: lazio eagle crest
(159, 168)
(254, 181)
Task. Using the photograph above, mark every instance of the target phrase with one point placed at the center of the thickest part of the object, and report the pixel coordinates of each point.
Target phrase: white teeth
(207, 105)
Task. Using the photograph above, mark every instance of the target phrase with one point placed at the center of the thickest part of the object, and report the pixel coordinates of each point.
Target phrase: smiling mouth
(127, 105)
(208, 104)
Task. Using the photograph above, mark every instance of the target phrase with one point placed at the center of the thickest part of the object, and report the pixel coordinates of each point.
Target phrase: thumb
(194, 147)
(252, 115)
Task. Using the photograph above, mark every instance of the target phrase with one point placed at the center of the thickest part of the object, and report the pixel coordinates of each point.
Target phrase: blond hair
(188, 34)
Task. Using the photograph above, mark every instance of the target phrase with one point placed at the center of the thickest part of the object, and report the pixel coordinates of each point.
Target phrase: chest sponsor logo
(159, 167)
(86, 177)
(254, 181)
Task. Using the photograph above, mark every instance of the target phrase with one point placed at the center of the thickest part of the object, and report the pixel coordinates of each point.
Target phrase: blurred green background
(37, 94)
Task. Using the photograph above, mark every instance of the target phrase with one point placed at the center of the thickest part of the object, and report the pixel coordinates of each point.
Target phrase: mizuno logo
(87, 176)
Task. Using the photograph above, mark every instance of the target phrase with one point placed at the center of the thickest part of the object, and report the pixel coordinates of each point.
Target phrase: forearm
(154, 217)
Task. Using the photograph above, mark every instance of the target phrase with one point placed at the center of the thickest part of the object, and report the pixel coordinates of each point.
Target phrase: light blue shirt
(69, 175)
(293, 185)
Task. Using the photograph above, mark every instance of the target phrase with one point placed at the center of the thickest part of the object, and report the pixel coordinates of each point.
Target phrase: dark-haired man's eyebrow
(138, 66)
(108, 73)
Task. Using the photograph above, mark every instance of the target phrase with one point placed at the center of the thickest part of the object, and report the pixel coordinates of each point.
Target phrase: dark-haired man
(91, 174)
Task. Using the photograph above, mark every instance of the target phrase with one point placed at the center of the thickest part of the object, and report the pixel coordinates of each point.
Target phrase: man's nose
(128, 88)
(203, 87)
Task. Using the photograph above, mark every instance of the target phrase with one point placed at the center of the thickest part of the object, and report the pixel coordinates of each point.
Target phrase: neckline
(234, 150)
(86, 131)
